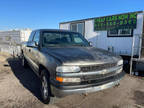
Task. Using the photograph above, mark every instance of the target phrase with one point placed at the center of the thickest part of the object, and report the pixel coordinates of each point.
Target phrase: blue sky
(36, 14)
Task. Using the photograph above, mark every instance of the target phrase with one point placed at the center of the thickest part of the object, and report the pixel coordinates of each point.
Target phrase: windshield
(63, 38)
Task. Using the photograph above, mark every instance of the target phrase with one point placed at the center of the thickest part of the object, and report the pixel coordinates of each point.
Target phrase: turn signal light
(60, 79)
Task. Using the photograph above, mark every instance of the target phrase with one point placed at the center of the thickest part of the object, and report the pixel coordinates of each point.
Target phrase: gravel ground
(19, 88)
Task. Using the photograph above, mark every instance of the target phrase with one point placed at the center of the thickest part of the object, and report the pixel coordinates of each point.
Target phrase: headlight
(68, 69)
(120, 62)
(119, 71)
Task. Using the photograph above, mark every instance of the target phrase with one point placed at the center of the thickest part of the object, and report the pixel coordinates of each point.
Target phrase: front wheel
(45, 87)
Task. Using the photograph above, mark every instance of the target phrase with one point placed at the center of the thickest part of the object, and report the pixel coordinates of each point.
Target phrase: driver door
(35, 52)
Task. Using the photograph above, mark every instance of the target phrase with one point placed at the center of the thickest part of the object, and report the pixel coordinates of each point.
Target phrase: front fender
(49, 62)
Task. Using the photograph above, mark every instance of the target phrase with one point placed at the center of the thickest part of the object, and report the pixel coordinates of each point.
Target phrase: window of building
(78, 27)
(74, 27)
(125, 32)
(120, 33)
(113, 32)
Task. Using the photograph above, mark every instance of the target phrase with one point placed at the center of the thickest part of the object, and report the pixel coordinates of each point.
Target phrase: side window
(36, 37)
(77, 39)
(31, 36)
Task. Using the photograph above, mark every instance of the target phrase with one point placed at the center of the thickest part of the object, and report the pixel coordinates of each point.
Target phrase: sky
(36, 14)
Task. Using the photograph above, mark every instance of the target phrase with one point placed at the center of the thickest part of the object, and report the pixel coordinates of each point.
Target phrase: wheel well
(41, 67)
(21, 51)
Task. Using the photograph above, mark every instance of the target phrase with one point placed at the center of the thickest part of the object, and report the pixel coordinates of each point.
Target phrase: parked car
(66, 63)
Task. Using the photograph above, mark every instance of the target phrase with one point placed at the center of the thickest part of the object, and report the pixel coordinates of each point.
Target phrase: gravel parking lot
(19, 88)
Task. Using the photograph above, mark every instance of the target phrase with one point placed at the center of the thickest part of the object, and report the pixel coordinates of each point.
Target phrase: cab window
(31, 36)
(36, 37)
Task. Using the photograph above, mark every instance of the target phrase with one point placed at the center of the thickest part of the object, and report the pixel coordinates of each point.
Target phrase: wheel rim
(44, 87)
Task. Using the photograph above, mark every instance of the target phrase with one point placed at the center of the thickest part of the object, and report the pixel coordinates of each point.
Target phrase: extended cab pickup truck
(66, 63)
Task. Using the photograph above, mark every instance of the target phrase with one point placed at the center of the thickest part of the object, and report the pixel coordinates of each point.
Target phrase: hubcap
(44, 87)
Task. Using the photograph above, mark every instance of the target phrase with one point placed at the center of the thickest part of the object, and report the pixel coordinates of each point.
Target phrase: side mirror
(90, 43)
(32, 44)
(36, 43)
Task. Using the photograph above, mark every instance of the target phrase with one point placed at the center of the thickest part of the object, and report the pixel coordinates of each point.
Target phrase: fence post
(132, 53)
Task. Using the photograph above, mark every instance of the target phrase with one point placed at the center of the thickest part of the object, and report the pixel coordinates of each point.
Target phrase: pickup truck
(66, 63)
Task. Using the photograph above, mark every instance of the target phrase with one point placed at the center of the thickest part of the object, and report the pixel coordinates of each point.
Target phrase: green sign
(123, 21)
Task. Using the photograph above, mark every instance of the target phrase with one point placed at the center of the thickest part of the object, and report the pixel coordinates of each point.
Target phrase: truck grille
(96, 77)
(97, 67)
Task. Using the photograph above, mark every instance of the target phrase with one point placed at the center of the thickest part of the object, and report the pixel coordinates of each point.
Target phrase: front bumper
(92, 86)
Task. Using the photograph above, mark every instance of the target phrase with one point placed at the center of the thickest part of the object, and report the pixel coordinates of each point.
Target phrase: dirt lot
(19, 88)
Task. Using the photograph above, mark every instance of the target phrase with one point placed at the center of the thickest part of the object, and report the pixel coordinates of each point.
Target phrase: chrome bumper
(62, 93)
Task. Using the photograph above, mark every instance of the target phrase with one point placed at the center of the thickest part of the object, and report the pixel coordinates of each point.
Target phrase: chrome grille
(101, 76)
(97, 67)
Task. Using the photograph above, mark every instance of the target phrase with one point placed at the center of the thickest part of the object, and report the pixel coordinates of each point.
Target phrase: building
(121, 34)
(11, 40)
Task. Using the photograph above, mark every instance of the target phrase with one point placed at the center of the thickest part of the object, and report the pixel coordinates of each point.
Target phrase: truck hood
(82, 55)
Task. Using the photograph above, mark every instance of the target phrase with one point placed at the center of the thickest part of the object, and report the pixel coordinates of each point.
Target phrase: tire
(24, 62)
(45, 87)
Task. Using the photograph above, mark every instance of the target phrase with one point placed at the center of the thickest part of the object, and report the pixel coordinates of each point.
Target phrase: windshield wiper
(78, 45)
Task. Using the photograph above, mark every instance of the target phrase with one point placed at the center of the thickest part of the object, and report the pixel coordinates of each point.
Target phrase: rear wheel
(45, 87)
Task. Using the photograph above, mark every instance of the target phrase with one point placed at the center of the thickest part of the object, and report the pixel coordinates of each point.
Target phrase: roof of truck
(54, 30)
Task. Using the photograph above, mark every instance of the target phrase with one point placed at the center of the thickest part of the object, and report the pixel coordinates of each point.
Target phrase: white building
(115, 32)
(11, 40)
